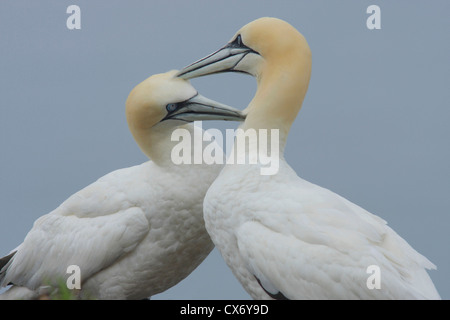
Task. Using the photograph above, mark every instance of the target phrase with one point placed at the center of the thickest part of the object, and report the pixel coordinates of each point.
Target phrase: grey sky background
(374, 126)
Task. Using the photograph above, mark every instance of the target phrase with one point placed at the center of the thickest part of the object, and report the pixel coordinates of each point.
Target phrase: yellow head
(163, 102)
(278, 56)
(164, 97)
(264, 41)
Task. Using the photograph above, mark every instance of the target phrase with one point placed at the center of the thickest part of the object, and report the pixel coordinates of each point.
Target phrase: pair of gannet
(284, 237)
(136, 231)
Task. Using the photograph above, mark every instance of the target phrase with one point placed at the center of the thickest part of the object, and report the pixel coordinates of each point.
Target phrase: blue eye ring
(171, 107)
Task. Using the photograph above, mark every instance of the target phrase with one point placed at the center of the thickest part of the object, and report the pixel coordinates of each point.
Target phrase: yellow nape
(146, 103)
(283, 74)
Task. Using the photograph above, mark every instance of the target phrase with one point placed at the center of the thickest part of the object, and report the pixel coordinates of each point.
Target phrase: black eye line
(237, 43)
(180, 104)
(239, 40)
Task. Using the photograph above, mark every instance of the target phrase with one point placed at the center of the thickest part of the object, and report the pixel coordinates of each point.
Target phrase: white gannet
(136, 231)
(284, 237)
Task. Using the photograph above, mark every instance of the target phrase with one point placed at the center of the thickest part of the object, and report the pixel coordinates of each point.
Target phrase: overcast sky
(374, 126)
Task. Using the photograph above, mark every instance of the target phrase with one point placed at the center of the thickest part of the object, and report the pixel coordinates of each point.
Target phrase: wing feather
(319, 245)
(91, 229)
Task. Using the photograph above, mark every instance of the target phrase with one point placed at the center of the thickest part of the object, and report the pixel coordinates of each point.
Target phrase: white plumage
(284, 237)
(136, 231)
(306, 241)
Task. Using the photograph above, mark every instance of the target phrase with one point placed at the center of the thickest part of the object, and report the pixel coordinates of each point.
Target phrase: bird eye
(171, 107)
(239, 40)
(237, 43)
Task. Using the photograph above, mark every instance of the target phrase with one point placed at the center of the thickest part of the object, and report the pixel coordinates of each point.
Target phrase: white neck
(156, 142)
(282, 86)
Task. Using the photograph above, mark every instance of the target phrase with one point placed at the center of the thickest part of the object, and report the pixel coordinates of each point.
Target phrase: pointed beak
(201, 108)
(223, 60)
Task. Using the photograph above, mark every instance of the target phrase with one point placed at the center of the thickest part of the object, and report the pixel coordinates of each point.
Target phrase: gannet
(284, 237)
(136, 231)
